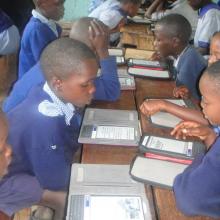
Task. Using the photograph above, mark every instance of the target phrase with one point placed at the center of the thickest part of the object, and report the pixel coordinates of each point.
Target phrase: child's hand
(150, 107)
(194, 129)
(156, 56)
(99, 37)
(181, 92)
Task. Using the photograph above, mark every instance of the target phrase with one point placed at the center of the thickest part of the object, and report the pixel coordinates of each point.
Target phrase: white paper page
(166, 144)
(113, 208)
(125, 81)
(113, 132)
(179, 102)
(115, 52)
(150, 73)
(120, 60)
(146, 62)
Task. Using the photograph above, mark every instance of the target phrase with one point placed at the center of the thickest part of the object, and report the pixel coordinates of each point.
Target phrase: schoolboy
(95, 35)
(197, 189)
(44, 127)
(9, 35)
(39, 32)
(5, 149)
(208, 23)
(172, 34)
(113, 13)
(151, 107)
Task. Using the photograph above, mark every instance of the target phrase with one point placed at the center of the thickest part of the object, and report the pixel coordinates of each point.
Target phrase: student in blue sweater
(39, 32)
(44, 128)
(9, 35)
(172, 34)
(197, 189)
(94, 34)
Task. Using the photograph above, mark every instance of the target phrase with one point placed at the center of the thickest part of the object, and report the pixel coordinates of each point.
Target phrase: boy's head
(5, 150)
(172, 34)
(70, 68)
(130, 7)
(51, 9)
(197, 4)
(209, 86)
(80, 31)
(214, 48)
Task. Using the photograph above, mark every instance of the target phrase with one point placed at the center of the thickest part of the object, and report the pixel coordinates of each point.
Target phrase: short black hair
(135, 2)
(176, 25)
(64, 57)
(213, 71)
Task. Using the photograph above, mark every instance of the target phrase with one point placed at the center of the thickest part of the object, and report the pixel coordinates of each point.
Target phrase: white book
(145, 72)
(166, 119)
(116, 52)
(155, 172)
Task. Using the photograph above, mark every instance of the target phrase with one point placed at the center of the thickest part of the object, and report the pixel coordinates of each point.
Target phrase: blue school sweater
(189, 69)
(42, 145)
(197, 189)
(5, 21)
(36, 37)
(107, 85)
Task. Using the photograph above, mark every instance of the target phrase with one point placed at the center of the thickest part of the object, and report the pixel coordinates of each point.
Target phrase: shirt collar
(51, 23)
(206, 8)
(66, 109)
(176, 61)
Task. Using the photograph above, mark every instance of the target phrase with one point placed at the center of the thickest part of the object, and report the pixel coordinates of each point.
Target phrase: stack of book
(118, 53)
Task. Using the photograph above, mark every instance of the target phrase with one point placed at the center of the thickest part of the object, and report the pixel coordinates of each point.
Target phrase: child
(39, 32)
(208, 24)
(197, 189)
(107, 84)
(151, 107)
(113, 13)
(172, 34)
(5, 150)
(177, 7)
(93, 4)
(9, 35)
(44, 128)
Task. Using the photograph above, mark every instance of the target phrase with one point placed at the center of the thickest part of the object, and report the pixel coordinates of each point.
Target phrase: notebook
(170, 149)
(165, 119)
(155, 172)
(149, 72)
(99, 191)
(111, 127)
(127, 81)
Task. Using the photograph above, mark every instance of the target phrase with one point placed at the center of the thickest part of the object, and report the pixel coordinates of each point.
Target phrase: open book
(127, 81)
(165, 119)
(111, 127)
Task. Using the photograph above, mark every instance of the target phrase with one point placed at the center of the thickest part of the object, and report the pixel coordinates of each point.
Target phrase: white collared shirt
(51, 23)
(57, 107)
(176, 61)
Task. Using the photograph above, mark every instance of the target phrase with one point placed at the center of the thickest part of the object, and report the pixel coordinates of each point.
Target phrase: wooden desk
(162, 202)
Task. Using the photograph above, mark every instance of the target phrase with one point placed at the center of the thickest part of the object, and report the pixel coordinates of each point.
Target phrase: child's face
(5, 150)
(131, 9)
(210, 99)
(195, 4)
(214, 50)
(53, 9)
(78, 89)
(163, 44)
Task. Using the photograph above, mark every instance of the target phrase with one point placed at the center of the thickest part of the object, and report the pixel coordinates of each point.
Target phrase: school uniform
(107, 84)
(110, 13)
(183, 8)
(189, 66)
(208, 24)
(94, 4)
(38, 33)
(197, 189)
(9, 35)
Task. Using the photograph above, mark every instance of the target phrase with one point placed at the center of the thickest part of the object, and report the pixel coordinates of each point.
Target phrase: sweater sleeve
(197, 189)
(107, 85)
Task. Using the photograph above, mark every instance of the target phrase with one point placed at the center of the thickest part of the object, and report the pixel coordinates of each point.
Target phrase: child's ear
(176, 41)
(56, 83)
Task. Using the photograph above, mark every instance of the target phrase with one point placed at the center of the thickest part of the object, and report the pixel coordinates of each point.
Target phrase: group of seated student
(58, 78)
